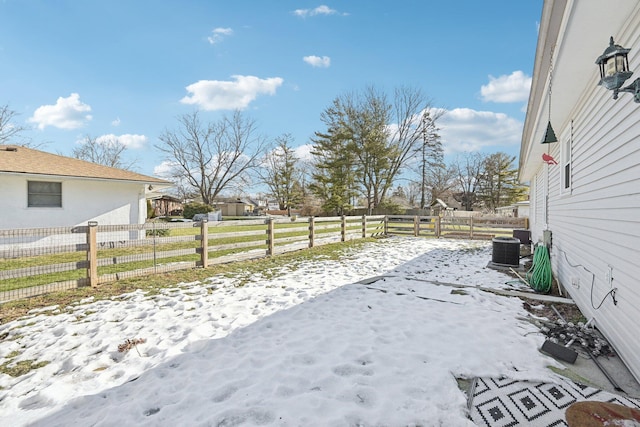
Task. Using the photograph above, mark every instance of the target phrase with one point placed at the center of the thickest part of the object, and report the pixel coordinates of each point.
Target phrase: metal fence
(42, 260)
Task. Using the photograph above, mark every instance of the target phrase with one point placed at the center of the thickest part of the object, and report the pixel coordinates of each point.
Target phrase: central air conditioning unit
(506, 251)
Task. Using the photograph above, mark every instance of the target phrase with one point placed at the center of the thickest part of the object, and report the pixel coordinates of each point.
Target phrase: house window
(43, 194)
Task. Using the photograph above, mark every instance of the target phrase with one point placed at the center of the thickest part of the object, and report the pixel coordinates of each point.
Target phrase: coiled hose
(539, 275)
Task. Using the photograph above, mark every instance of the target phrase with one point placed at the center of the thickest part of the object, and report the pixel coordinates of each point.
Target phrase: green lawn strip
(42, 279)
(15, 309)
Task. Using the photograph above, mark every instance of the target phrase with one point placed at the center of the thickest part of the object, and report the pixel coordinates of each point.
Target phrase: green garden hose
(539, 276)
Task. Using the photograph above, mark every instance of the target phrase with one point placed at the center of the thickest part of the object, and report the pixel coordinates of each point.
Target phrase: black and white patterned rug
(504, 402)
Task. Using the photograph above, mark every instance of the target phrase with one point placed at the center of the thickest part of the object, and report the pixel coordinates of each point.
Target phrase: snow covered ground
(301, 346)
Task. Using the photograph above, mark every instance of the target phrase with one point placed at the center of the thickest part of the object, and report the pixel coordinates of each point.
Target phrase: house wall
(82, 201)
(234, 209)
(596, 222)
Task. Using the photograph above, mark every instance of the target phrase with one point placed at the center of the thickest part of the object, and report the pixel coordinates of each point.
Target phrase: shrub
(151, 212)
(159, 232)
(390, 208)
(190, 209)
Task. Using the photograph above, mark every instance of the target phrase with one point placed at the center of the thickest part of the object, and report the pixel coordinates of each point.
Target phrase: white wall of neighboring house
(83, 200)
(522, 209)
(590, 200)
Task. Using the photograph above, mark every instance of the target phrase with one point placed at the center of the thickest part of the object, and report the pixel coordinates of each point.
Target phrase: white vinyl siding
(596, 225)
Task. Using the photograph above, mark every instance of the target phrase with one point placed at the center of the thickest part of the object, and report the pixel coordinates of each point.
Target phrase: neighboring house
(522, 209)
(438, 207)
(586, 207)
(234, 207)
(516, 210)
(447, 203)
(165, 205)
(41, 189)
(260, 206)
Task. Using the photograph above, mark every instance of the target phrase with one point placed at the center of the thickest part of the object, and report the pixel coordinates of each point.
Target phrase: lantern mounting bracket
(633, 88)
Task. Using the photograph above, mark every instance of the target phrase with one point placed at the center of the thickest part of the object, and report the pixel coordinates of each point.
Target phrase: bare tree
(412, 191)
(469, 168)
(106, 151)
(411, 134)
(214, 156)
(431, 154)
(381, 137)
(440, 180)
(9, 130)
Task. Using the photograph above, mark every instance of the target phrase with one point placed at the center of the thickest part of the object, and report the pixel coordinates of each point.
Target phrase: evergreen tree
(333, 178)
(281, 174)
(361, 123)
(499, 184)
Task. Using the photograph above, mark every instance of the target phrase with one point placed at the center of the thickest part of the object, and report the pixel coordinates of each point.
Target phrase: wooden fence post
(364, 226)
(343, 229)
(416, 226)
(92, 253)
(386, 225)
(438, 226)
(270, 235)
(204, 243)
(312, 231)
(471, 227)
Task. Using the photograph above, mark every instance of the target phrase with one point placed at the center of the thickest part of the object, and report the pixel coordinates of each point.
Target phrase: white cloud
(512, 88)
(67, 113)
(116, 122)
(229, 95)
(128, 140)
(303, 152)
(463, 129)
(165, 169)
(320, 10)
(218, 34)
(317, 61)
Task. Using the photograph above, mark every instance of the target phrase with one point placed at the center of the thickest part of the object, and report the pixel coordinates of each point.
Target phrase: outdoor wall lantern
(614, 71)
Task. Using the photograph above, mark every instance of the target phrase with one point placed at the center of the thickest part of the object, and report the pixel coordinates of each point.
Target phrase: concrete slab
(586, 368)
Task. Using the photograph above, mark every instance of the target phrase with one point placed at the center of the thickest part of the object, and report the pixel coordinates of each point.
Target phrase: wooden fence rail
(38, 261)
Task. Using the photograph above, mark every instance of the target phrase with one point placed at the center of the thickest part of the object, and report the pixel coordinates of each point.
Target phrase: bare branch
(9, 130)
(214, 156)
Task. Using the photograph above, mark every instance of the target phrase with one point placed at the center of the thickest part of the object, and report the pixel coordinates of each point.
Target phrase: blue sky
(130, 68)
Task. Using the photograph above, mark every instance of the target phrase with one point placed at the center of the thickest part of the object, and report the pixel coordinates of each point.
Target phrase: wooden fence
(454, 227)
(38, 261)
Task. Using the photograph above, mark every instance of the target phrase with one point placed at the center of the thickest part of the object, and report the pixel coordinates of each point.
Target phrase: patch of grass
(20, 368)
(13, 354)
(16, 369)
(152, 284)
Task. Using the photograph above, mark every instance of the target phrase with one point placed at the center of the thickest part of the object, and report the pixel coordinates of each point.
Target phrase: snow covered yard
(302, 346)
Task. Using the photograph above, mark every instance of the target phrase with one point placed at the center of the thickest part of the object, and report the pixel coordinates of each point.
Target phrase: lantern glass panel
(610, 66)
(620, 63)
